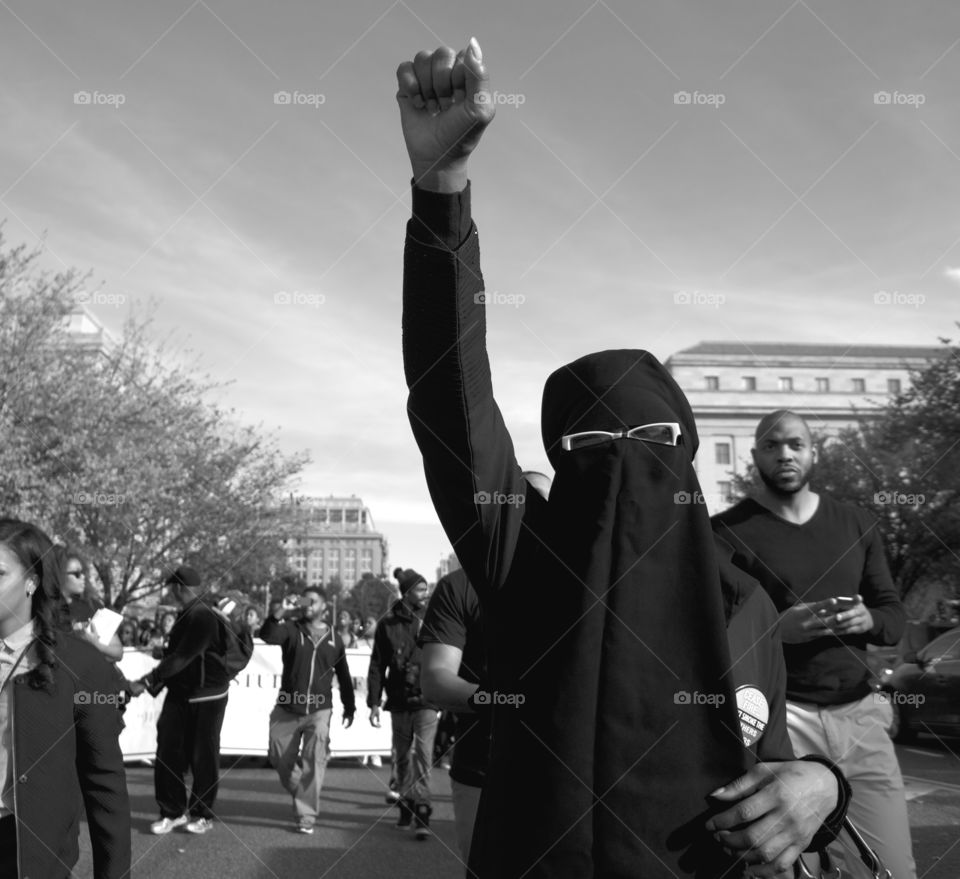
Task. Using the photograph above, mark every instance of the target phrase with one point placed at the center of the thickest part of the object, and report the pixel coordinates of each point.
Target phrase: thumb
(749, 783)
(476, 84)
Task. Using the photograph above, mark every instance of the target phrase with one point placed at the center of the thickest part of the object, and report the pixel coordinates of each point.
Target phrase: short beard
(786, 493)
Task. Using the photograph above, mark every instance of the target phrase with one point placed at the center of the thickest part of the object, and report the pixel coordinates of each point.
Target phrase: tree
(904, 467)
(120, 452)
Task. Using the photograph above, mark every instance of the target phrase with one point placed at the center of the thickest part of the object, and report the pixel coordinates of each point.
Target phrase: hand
(445, 105)
(805, 622)
(347, 721)
(375, 717)
(779, 807)
(137, 688)
(855, 620)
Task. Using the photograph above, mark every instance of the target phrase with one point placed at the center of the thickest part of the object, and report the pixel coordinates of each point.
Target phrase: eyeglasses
(665, 433)
(74, 573)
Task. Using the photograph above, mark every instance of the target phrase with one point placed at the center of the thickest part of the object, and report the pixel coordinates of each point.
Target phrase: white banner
(253, 694)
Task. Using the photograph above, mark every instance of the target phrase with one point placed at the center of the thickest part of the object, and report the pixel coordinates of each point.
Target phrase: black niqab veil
(630, 720)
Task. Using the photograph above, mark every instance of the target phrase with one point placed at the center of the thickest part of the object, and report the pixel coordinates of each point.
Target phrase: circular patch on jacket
(754, 713)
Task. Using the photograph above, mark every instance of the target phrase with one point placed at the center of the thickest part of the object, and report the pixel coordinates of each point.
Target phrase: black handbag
(828, 870)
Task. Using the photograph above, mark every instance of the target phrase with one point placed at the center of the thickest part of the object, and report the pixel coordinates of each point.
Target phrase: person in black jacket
(188, 731)
(395, 667)
(59, 727)
(618, 746)
(300, 722)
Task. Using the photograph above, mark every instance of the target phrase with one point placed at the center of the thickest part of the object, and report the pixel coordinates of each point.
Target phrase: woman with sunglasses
(59, 752)
(83, 602)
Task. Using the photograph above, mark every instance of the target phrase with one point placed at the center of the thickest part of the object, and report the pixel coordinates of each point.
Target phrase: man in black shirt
(822, 563)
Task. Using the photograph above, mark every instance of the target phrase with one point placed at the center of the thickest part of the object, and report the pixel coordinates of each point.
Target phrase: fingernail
(719, 790)
(475, 48)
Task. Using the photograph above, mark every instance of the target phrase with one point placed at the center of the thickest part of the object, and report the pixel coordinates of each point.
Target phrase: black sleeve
(467, 452)
(379, 659)
(880, 594)
(445, 621)
(342, 670)
(201, 631)
(275, 631)
(102, 777)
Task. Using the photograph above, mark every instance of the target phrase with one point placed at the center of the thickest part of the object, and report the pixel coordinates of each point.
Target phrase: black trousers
(8, 847)
(188, 736)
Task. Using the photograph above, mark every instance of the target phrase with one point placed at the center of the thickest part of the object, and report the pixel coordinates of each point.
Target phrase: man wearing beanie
(395, 669)
(188, 730)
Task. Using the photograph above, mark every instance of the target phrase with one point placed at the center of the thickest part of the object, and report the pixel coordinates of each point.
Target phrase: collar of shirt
(17, 641)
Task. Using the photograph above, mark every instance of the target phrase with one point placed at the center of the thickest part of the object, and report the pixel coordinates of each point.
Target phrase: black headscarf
(629, 721)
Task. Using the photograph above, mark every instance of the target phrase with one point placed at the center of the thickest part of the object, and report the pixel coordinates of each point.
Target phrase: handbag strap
(869, 857)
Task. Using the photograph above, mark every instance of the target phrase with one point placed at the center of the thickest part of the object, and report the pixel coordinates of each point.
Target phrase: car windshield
(945, 646)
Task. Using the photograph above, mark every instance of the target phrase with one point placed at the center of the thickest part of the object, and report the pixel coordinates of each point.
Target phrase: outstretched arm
(473, 477)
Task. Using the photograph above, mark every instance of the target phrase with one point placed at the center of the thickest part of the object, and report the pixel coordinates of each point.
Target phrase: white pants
(854, 736)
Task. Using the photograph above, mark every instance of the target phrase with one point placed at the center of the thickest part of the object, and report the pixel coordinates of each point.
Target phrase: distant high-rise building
(447, 565)
(326, 537)
(732, 385)
(86, 332)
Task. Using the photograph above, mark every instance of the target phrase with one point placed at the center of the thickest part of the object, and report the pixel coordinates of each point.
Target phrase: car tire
(900, 729)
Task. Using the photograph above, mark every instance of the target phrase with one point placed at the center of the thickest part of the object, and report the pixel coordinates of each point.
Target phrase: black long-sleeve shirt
(838, 552)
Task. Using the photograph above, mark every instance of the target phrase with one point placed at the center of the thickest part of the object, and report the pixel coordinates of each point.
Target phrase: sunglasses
(665, 433)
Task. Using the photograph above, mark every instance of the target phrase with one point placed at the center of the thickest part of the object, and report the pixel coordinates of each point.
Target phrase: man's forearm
(447, 690)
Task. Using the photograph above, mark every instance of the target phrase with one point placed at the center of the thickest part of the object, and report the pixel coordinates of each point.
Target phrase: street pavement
(355, 837)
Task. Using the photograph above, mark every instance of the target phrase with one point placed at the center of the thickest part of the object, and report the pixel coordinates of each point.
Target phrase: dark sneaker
(421, 816)
(406, 814)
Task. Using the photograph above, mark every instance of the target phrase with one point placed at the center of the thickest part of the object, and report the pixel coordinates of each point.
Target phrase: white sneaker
(199, 825)
(376, 761)
(165, 825)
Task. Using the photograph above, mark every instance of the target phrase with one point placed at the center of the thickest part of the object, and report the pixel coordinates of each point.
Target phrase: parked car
(925, 689)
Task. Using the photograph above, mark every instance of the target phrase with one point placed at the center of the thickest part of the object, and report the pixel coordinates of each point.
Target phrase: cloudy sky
(798, 162)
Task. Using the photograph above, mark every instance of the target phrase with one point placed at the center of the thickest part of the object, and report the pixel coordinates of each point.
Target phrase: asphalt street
(356, 839)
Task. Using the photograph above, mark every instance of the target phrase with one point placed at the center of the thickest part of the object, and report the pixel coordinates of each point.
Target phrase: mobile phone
(844, 602)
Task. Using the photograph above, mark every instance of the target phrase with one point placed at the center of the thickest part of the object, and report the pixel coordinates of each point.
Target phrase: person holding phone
(823, 564)
(300, 722)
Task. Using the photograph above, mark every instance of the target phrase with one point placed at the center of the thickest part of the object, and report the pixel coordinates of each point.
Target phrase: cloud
(952, 274)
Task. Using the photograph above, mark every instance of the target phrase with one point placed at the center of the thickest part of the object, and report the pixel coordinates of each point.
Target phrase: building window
(336, 517)
(366, 561)
(893, 385)
(823, 386)
(713, 383)
(725, 492)
(352, 517)
(723, 453)
(859, 386)
(349, 564)
(333, 560)
(749, 383)
(786, 383)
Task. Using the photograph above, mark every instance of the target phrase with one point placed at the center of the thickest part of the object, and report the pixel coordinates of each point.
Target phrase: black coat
(395, 662)
(66, 756)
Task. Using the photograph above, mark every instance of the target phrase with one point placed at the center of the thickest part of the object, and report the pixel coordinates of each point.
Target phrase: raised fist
(445, 105)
